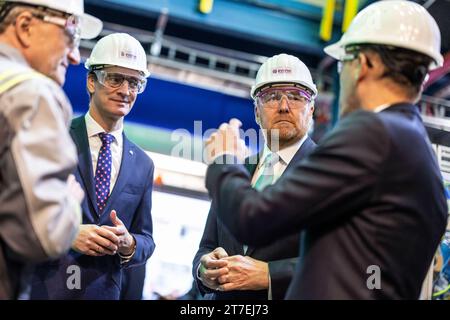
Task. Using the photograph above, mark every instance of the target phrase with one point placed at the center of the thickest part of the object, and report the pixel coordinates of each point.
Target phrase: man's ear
(311, 107)
(257, 117)
(23, 28)
(359, 71)
(370, 65)
(90, 83)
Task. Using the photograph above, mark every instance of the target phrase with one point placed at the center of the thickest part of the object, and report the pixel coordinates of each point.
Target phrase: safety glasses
(271, 97)
(70, 24)
(115, 80)
(347, 57)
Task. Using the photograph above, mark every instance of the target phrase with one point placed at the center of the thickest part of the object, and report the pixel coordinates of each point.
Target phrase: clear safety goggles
(115, 80)
(296, 96)
(70, 24)
(347, 57)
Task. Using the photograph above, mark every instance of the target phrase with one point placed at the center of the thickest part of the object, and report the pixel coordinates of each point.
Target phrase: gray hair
(12, 15)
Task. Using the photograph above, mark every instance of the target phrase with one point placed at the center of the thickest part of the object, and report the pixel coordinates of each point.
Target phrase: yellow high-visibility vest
(11, 78)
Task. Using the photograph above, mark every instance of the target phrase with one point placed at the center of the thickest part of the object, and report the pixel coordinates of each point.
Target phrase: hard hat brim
(90, 26)
(91, 67)
(335, 50)
(257, 88)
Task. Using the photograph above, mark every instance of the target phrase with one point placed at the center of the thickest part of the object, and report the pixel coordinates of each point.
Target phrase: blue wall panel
(170, 105)
(240, 18)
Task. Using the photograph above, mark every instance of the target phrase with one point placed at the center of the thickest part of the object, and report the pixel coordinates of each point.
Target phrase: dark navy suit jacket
(371, 202)
(131, 198)
(282, 254)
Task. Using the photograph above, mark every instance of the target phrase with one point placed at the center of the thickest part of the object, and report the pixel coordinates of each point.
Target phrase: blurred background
(204, 55)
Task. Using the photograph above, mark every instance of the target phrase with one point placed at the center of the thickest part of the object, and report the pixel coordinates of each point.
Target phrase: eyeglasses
(271, 98)
(347, 57)
(116, 80)
(70, 24)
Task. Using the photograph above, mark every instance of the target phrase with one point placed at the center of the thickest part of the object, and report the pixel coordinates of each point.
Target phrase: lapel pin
(131, 152)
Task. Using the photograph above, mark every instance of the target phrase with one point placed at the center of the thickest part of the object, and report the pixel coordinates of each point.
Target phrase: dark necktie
(103, 170)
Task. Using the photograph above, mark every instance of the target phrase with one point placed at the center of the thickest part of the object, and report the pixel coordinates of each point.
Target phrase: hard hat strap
(99, 67)
(103, 66)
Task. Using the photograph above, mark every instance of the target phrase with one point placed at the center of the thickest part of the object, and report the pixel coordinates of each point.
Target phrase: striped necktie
(267, 175)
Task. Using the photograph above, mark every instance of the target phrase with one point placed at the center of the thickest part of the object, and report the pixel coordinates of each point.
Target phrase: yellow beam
(350, 10)
(317, 3)
(326, 25)
(205, 6)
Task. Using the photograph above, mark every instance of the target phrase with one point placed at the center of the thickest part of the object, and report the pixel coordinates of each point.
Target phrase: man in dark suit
(263, 272)
(369, 198)
(117, 177)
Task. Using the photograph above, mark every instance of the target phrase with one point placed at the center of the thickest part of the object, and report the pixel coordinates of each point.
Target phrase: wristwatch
(127, 258)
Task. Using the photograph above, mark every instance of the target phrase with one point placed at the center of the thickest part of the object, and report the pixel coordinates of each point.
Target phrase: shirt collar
(12, 54)
(285, 154)
(381, 108)
(93, 129)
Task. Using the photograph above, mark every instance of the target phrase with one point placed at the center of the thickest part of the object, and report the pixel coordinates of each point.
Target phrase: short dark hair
(405, 67)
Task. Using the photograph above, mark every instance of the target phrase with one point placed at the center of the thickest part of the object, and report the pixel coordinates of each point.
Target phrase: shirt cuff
(269, 290)
(198, 272)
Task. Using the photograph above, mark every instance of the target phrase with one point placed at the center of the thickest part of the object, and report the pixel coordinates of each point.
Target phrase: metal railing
(435, 112)
(228, 65)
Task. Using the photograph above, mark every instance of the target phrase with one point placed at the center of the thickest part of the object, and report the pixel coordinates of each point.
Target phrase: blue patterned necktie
(103, 170)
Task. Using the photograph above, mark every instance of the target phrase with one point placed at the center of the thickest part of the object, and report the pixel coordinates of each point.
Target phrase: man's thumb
(115, 220)
(221, 253)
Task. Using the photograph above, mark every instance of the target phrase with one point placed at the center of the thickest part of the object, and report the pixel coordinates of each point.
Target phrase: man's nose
(124, 89)
(74, 56)
(283, 105)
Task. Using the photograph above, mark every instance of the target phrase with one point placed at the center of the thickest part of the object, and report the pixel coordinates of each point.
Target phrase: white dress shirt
(93, 129)
(381, 108)
(285, 156)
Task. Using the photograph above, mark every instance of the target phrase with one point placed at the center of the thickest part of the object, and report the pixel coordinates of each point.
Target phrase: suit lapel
(304, 150)
(126, 166)
(79, 136)
(251, 163)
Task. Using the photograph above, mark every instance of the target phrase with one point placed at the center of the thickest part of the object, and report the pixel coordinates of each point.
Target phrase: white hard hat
(119, 49)
(398, 23)
(283, 68)
(90, 25)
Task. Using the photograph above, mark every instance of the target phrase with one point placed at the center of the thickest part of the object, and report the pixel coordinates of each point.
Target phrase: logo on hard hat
(281, 70)
(128, 55)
